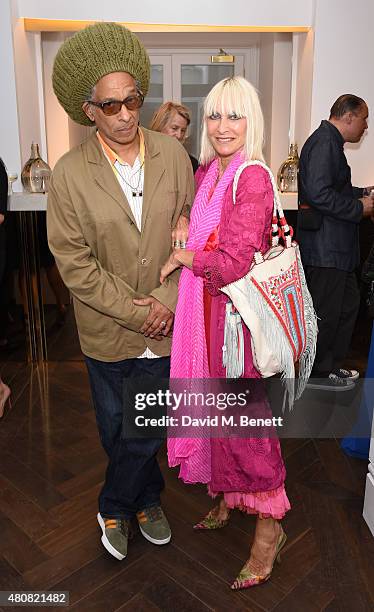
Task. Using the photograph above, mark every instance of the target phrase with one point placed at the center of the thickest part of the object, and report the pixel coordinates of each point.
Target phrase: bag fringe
(306, 359)
(233, 344)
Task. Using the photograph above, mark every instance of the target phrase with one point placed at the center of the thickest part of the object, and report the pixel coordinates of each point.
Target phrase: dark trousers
(133, 479)
(336, 300)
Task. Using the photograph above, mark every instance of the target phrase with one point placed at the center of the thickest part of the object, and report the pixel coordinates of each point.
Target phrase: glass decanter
(287, 173)
(36, 172)
(11, 179)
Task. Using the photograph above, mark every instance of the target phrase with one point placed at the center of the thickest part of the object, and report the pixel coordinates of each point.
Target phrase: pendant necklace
(136, 192)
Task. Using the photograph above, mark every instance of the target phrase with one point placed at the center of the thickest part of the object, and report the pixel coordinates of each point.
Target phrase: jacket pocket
(309, 219)
(167, 204)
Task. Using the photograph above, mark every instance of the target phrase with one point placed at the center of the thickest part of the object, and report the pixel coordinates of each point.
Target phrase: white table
(26, 202)
(18, 202)
(288, 201)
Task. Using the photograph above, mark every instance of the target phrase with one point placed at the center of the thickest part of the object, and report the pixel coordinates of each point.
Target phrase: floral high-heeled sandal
(247, 579)
(212, 520)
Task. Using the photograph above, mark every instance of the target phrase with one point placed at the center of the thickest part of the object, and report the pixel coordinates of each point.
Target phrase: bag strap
(279, 225)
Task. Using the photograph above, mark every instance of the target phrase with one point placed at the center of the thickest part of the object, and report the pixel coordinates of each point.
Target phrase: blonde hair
(234, 95)
(162, 116)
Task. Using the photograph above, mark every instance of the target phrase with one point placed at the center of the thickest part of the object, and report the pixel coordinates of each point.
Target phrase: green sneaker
(116, 533)
(154, 525)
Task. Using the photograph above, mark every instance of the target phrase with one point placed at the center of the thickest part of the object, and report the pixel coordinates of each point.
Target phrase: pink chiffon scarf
(189, 355)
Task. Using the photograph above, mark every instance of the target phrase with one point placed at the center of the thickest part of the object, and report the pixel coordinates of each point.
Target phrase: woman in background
(249, 474)
(173, 119)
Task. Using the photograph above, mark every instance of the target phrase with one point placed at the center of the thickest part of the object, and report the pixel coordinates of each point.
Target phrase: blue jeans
(133, 479)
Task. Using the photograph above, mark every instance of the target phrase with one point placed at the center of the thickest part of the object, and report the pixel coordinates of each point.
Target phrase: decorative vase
(11, 179)
(36, 172)
(287, 173)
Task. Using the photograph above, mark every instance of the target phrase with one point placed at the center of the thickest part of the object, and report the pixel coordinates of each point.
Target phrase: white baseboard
(368, 512)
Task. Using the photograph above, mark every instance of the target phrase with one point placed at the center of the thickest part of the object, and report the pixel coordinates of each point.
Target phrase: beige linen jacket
(103, 258)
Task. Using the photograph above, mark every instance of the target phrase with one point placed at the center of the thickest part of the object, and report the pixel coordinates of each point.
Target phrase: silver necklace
(136, 192)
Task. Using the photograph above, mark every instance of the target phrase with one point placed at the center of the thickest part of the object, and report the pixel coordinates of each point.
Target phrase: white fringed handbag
(275, 304)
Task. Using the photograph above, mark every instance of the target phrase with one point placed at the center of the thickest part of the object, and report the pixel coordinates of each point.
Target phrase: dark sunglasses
(113, 107)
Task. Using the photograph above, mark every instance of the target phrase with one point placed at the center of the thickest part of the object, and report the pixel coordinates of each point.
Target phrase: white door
(193, 77)
(187, 77)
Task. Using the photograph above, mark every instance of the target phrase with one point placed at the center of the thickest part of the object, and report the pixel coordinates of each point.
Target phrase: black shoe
(331, 383)
(346, 374)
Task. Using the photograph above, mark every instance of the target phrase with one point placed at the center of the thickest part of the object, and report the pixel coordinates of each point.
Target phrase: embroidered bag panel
(274, 302)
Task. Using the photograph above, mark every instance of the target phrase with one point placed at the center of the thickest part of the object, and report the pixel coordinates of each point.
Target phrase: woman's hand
(169, 267)
(178, 258)
(179, 234)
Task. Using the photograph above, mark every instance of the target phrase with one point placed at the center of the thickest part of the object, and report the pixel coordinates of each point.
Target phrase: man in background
(330, 210)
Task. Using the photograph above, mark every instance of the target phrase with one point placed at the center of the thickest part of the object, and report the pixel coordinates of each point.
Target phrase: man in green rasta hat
(112, 205)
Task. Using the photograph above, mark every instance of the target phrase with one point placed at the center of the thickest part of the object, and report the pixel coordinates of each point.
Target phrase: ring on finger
(163, 324)
(182, 244)
(176, 244)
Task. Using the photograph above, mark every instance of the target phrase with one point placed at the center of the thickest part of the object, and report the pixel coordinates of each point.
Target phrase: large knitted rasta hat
(89, 55)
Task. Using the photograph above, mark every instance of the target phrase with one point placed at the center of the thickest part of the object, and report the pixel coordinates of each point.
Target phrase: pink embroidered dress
(249, 472)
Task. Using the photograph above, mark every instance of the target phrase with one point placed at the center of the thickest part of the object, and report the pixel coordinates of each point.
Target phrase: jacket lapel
(104, 175)
(153, 171)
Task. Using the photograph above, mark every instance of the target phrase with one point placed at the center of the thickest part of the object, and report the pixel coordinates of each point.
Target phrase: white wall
(9, 132)
(20, 117)
(274, 89)
(199, 40)
(265, 87)
(343, 63)
(219, 12)
(57, 125)
(302, 86)
(28, 66)
(281, 100)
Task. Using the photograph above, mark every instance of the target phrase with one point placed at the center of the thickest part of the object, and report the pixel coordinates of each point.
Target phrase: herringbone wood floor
(51, 467)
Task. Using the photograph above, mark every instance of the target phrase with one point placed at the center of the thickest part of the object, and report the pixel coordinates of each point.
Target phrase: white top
(131, 179)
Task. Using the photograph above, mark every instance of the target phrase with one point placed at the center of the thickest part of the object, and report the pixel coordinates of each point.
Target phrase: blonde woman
(173, 119)
(248, 474)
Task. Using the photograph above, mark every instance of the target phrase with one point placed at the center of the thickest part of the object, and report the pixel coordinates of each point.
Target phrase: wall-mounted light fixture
(222, 58)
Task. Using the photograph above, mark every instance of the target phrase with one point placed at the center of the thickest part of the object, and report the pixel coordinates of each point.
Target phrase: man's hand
(159, 320)
(367, 206)
(1, 218)
(179, 234)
